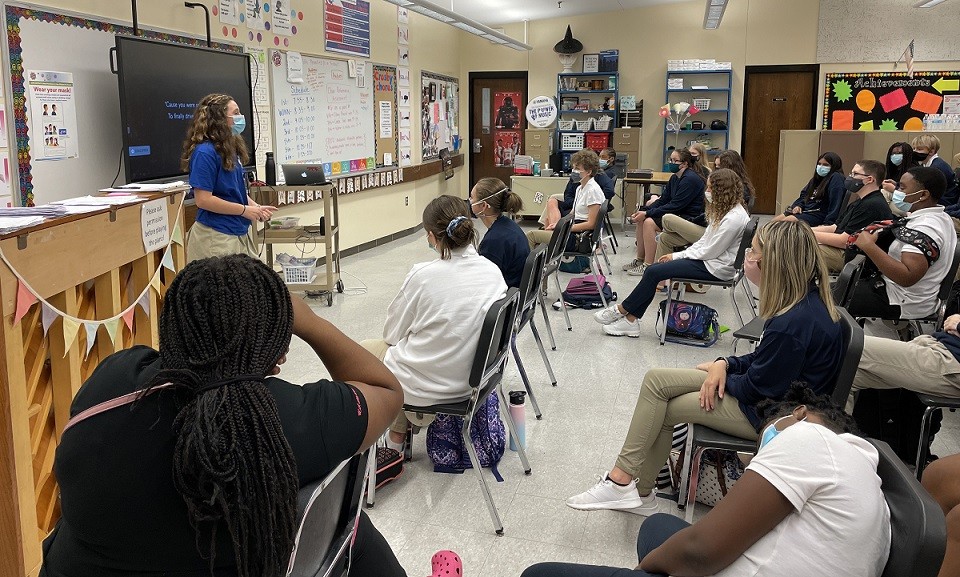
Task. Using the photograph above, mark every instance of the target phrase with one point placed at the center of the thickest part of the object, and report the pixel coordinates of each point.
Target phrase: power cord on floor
(362, 289)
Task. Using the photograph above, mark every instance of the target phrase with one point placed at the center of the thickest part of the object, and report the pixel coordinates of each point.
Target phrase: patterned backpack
(445, 445)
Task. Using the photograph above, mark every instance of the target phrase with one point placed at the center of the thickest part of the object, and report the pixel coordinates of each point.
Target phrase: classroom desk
(630, 194)
(527, 188)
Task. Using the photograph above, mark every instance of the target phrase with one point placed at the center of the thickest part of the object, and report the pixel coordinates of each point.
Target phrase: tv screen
(160, 85)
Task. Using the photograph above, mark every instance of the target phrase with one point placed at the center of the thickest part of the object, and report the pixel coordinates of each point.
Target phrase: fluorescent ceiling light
(466, 24)
(928, 3)
(714, 14)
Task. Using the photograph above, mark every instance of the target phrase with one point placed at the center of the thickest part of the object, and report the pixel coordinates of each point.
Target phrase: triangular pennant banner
(91, 336)
(177, 235)
(70, 328)
(155, 281)
(48, 315)
(128, 317)
(144, 302)
(168, 260)
(25, 300)
(112, 329)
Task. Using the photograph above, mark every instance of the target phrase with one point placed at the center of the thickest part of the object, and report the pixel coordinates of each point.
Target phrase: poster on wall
(53, 115)
(506, 147)
(438, 113)
(228, 12)
(254, 15)
(508, 110)
(887, 100)
(282, 15)
(346, 27)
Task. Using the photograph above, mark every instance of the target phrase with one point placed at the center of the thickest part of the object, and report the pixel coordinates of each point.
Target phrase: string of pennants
(27, 297)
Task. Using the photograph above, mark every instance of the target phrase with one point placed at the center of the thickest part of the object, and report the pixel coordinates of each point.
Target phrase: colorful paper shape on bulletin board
(886, 100)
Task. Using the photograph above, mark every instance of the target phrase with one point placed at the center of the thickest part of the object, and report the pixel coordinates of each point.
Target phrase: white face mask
(708, 195)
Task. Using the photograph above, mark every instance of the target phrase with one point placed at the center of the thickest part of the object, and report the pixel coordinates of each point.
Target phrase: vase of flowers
(676, 116)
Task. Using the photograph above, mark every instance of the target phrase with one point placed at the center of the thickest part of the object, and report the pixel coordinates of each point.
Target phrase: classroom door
(775, 98)
(497, 123)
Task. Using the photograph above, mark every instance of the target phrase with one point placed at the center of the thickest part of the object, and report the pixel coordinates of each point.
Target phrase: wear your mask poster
(53, 115)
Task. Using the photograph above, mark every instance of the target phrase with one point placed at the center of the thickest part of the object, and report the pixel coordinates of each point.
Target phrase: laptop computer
(303, 174)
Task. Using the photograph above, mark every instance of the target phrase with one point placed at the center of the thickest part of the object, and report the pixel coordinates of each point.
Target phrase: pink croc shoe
(446, 564)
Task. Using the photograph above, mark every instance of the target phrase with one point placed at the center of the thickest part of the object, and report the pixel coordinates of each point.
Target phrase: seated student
(866, 206)
(918, 259)
(433, 325)
(820, 200)
(899, 160)
(588, 198)
(504, 243)
(801, 342)
(699, 153)
(941, 479)
(608, 159)
(186, 479)
(683, 196)
(559, 206)
(710, 258)
(809, 503)
(678, 232)
(925, 149)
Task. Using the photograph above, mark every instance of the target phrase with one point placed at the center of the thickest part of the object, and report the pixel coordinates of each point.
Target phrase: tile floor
(585, 419)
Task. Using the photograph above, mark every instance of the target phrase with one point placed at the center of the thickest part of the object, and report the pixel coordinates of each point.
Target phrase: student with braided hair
(197, 475)
(433, 325)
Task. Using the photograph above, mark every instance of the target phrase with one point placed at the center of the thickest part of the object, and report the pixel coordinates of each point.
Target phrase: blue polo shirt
(207, 173)
(506, 246)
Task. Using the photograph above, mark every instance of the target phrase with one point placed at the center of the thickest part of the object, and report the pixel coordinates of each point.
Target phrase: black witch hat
(569, 44)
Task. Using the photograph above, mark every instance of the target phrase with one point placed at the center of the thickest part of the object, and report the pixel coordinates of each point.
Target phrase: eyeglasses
(852, 173)
(749, 254)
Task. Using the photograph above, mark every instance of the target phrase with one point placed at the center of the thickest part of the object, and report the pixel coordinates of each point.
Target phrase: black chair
(701, 438)
(933, 404)
(486, 375)
(328, 511)
(596, 242)
(555, 248)
(530, 295)
(842, 290)
(745, 240)
(918, 532)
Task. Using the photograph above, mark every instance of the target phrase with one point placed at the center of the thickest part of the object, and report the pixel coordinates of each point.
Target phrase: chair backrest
(746, 240)
(918, 533)
(597, 235)
(849, 277)
(494, 344)
(531, 281)
(327, 511)
(558, 240)
(610, 206)
(853, 349)
(947, 283)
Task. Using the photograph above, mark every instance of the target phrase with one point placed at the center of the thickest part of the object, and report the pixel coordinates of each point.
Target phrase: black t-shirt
(122, 515)
(863, 211)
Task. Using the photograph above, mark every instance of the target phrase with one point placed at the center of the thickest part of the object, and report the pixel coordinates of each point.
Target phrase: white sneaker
(608, 315)
(631, 264)
(637, 270)
(608, 495)
(623, 328)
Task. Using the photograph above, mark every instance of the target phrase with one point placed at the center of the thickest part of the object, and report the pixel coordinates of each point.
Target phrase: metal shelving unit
(595, 111)
(720, 88)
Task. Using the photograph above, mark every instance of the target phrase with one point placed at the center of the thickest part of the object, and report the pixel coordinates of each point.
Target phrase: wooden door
(497, 123)
(775, 98)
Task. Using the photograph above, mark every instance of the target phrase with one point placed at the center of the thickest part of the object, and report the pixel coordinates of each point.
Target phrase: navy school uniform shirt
(951, 194)
(207, 173)
(803, 344)
(830, 204)
(506, 246)
(683, 196)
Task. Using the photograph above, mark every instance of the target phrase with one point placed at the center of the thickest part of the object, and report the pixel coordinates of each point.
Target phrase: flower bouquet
(676, 116)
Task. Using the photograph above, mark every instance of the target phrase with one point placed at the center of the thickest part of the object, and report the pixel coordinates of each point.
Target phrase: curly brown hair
(727, 190)
(210, 123)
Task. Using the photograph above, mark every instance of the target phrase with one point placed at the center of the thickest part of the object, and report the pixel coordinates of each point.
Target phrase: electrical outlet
(406, 201)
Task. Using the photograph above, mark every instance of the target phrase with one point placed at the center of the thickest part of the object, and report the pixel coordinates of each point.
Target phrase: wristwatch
(725, 361)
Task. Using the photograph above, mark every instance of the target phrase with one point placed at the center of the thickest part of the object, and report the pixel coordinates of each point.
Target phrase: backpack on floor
(445, 444)
(582, 293)
(689, 322)
(576, 265)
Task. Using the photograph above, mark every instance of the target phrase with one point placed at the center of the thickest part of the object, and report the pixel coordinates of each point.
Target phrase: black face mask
(920, 156)
(853, 184)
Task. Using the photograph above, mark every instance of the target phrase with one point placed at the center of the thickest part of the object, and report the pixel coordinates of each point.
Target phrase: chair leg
(566, 315)
(595, 269)
(736, 341)
(666, 311)
(546, 321)
(692, 488)
(922, 452)
(408, 444)
(512, 429)
(748, 290)
(736, 305)
(523, 375)
(475, 461)
(543, 353)
(372, 476)
(603, 252)
(685, 469)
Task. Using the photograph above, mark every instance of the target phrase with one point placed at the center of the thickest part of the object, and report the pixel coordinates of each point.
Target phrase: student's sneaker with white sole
(633, 263)
(623, 327)
(608, 495)
(608, 315)
(637, 270)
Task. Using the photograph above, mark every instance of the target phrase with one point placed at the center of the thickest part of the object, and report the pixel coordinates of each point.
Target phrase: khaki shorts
(204, 242)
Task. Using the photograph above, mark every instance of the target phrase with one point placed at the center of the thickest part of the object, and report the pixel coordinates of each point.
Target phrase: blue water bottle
(519, 415)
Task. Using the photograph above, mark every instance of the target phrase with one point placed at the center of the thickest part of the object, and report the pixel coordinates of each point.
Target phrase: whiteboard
(326, 119)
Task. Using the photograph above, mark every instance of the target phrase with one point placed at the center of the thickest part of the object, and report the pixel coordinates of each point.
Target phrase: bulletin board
(888, 100)
(439, 113)
(385, 113)
(35, 41)
(327, 118)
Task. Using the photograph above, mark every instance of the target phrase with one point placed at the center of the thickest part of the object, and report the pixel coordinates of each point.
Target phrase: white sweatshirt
(718, 246)
(434, 323)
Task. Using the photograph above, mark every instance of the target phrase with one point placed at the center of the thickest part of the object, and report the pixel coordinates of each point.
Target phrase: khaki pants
(204, 242)
(535, 237)
(832, 257)
(676, 232)
(668, 397)
(378, 348)
(922, 365)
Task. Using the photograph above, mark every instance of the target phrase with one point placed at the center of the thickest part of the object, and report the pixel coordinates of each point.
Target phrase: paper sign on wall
(228, 12)
(386, 119)
(294, 68)
(154, 225)
(53, 115)
(281, 18)
(254, 15)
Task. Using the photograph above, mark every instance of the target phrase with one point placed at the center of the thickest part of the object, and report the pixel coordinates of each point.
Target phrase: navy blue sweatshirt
(802, 344)
(832, 201)
(506, 246)
(951, 342)
(951, 195)
(683, 196)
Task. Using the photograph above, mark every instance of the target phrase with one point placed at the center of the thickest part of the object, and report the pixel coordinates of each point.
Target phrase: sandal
(446, 563)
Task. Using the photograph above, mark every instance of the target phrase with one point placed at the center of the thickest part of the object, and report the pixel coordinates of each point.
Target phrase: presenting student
(213, 154)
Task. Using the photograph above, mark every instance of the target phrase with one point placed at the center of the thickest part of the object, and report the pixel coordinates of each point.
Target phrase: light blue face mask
(239, 123)
(823, 170)
(899, 200)
(896, 159)
(771, 431)
(604, 163)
